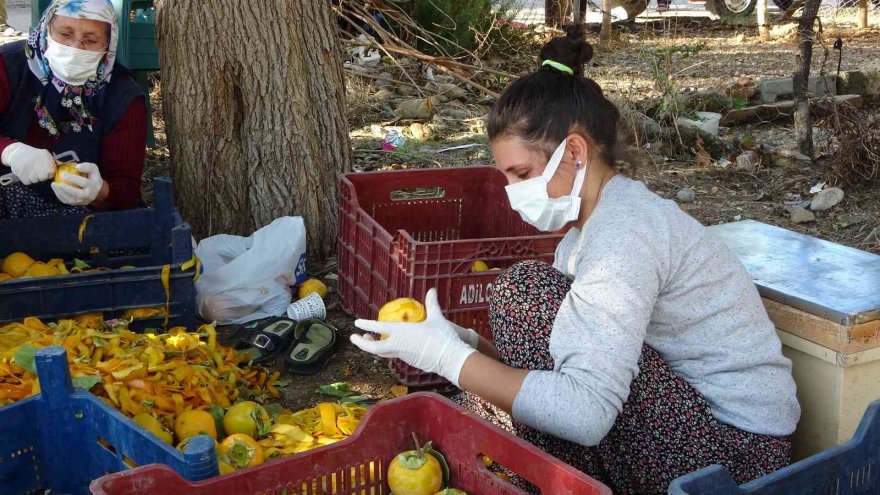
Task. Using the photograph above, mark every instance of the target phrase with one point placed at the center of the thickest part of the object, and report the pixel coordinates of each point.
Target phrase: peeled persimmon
(67, 168)
(17, 264)
(404, 309)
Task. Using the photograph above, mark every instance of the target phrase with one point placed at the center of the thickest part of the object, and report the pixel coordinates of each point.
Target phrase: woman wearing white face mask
(644, 353)
(61, 91)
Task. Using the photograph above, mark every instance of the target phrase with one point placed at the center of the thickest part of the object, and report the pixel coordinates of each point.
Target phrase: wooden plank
(785, 110)
(839, 338)
(805, 325)
(866, 331)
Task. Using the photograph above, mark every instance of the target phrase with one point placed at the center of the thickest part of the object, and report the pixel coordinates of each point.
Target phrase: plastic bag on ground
(248, 278)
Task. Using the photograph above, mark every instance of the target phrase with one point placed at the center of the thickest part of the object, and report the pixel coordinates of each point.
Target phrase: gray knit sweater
(646, 272)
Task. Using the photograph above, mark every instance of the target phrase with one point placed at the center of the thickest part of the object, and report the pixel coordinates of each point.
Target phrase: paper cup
(311, 306)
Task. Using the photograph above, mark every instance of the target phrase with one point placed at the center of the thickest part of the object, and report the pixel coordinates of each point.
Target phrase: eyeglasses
(90, 43)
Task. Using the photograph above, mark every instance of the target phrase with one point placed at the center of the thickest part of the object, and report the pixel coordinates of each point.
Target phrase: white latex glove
(29, 164)
(432, 345)
(90, 186)
(470, 337)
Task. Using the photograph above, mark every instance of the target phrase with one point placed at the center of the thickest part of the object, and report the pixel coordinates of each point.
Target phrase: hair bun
(571, 50)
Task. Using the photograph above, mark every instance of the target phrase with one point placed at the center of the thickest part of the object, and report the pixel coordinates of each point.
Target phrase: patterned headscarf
(66, 106)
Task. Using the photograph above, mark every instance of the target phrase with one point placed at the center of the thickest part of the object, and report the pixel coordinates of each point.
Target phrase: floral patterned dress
(666, 428)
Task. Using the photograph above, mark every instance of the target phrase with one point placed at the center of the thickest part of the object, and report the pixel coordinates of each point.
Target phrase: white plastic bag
(248, 278)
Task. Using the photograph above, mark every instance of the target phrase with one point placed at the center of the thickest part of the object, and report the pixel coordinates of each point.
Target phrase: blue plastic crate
(63, 438)
(147, 238)
(849, 469)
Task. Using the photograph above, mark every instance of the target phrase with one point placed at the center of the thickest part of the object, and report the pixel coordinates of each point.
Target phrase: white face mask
(72, 65)
(530, 198)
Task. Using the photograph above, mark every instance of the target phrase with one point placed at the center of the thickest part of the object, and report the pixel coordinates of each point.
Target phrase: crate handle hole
(125, 252)
(418, 193)
(107, 445)
(498, 471)
(129, 462)
(18, 453)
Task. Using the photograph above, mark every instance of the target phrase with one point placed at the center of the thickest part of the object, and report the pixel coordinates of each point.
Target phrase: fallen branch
(380, 78)
(392, 45)
(446, 65)
(789, 12)
(473, 83)
(362, 31)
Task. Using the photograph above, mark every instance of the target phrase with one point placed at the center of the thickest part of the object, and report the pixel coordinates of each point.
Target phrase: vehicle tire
(731, 9)
(632, 7)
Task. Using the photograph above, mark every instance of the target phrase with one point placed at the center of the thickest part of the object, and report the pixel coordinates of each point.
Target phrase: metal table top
(836, 282)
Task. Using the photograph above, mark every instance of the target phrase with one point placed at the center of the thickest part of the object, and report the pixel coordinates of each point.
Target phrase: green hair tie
(560, 67)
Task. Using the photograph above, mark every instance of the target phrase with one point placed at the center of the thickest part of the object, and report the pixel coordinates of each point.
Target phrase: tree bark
(605, 32)
(863, 14)
(254, 105)
(803, 126)
(579, 9)
(763, 24)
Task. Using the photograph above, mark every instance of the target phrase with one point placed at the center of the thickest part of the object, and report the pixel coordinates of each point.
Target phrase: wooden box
(824, 299)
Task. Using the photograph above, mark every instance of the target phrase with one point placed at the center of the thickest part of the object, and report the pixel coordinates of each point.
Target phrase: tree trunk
(763, 24)
(803, 126)
(254, 104)
(579, 8)
(605, 32)
(863, 14)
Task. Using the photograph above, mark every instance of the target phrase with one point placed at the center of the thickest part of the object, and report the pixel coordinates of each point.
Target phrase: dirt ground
(624, 71)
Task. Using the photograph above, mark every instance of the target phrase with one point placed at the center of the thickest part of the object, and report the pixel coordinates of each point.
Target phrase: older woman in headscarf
(61, 91)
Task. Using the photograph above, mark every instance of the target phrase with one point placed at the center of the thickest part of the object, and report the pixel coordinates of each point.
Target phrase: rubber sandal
(267, 340)
(313, 344)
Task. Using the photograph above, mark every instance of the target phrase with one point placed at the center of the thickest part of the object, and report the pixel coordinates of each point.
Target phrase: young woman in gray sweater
(644, 352)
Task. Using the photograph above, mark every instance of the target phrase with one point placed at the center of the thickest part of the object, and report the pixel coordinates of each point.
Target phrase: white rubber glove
(29, 164)
(90, 186)
(432, 345)
(470, 337)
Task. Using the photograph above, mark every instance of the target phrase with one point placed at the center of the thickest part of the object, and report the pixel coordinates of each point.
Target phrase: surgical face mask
(530, 199)
(72, 65)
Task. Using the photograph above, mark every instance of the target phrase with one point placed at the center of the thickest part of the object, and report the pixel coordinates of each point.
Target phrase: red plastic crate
(415, 378)
(403, 232)
(386, 431)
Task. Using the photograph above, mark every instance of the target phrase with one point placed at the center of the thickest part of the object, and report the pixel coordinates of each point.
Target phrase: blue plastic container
(63, 438)
(146, 238)
(849, 469)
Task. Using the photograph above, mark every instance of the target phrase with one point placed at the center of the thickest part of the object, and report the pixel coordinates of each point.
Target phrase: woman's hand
(432, 345)
(88, 190)
(29, 164)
